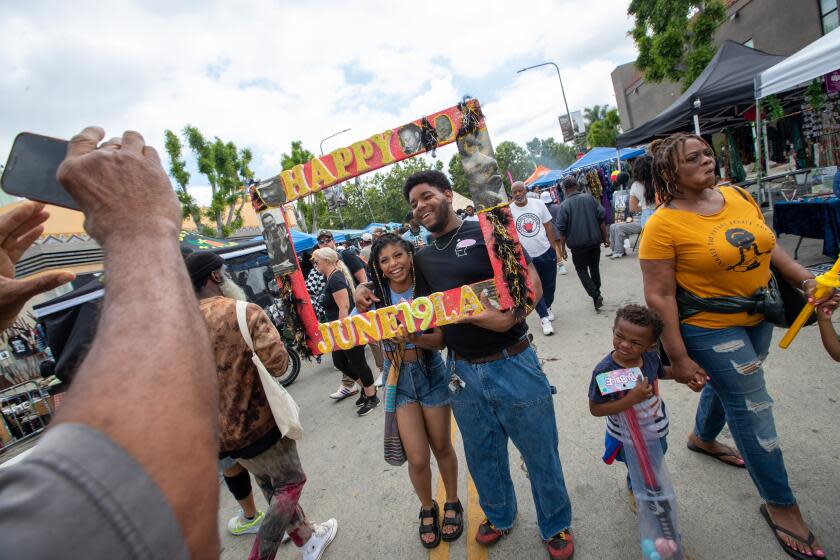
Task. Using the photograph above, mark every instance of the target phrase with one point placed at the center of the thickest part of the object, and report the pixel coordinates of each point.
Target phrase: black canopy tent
(718, 97)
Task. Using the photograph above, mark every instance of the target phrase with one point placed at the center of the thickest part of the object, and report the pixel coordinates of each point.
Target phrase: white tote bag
(285, 410)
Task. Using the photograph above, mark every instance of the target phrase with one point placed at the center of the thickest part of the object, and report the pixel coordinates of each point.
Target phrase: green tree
(178, 171)
(375, 197)
(595, 113)
(514, 158)
(311, 209)
(675, 38)
(457, 177)
(226, 169)
(603, 132)
(549, 153)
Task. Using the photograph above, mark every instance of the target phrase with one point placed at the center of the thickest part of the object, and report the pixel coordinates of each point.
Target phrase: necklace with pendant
(434, 242)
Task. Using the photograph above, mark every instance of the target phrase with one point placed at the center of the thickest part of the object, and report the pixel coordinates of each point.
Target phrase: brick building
(774, 26)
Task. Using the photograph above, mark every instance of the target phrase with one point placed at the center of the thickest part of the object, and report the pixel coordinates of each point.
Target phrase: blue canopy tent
(304, 241)
(597, 156)
(548, 179)
(349, 233)
(390, 225)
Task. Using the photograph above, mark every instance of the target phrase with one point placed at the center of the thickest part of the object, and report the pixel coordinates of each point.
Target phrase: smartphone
(31, 168)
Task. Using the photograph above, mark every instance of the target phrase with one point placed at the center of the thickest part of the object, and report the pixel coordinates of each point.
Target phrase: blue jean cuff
(566, 528)
(771, 504)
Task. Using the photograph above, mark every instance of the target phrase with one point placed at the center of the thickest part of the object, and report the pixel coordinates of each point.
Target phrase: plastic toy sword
(825, 283)
(658, 505)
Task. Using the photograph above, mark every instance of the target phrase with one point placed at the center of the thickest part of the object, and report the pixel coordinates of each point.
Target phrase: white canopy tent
(817, 59)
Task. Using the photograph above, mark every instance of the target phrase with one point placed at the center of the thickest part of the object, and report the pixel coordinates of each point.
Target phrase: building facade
(773, 26)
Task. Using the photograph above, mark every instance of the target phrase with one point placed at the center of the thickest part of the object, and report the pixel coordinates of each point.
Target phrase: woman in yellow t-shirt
(713, 242)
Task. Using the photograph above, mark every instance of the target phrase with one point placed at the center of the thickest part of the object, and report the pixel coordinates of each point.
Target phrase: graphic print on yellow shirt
(726, 254)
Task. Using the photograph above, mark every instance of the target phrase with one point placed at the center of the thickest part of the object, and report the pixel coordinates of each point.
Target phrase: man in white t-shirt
(536, 234)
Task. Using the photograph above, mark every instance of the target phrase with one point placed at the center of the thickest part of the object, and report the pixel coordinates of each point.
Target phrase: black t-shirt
(352, 261)
(335, 283)
(464, 261)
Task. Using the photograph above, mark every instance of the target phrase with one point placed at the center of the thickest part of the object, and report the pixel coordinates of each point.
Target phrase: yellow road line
(475, 515)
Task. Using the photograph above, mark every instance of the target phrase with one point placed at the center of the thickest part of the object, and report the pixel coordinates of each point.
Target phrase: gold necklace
(434, 241)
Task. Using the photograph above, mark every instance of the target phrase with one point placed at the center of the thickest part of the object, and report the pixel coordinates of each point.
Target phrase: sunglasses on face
(324, 240)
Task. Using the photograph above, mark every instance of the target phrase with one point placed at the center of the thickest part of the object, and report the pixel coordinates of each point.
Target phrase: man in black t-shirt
(500, 390)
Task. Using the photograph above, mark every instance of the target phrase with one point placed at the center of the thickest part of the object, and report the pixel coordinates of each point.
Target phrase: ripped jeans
(737, 395)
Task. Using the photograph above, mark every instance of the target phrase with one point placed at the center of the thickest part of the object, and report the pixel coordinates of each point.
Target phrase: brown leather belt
(408, 356)
(511, 350)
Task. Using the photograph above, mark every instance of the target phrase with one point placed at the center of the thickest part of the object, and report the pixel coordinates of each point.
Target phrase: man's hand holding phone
(120, 186)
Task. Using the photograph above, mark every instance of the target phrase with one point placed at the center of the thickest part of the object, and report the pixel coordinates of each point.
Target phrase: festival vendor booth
(593, 169)
(714, 105)
(814, 214)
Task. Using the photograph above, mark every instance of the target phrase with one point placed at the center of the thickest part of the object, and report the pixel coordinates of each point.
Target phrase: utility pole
(312, 197)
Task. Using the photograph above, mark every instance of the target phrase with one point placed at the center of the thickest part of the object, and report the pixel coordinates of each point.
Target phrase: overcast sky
(264, 73)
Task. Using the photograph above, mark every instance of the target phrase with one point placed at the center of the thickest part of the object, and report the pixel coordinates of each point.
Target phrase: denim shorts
(424, 382)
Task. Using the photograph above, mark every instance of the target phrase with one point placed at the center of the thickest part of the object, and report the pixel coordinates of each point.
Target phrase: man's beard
(232, 290)
(441, 215)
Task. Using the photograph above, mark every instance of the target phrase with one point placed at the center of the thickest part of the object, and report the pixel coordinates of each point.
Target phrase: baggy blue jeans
(737, 395)
(511, 398)
(546, 267)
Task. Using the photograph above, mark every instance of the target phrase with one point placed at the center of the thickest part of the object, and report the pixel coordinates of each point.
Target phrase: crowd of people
(121, 483)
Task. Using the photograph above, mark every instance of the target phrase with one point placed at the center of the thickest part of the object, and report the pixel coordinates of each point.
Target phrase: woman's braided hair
(666, 154)
(380, 283)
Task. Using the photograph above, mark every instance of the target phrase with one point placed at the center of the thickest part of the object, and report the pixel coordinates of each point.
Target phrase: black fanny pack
(779, 303)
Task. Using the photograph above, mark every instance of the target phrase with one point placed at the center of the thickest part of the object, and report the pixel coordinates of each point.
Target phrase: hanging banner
(361, 157)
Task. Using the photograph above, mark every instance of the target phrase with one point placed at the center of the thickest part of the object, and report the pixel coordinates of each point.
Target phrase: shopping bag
(285, 410)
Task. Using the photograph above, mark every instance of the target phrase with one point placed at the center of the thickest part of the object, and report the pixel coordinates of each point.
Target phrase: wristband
(802, 284)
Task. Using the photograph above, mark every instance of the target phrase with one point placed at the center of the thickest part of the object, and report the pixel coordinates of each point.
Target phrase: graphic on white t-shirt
(528, 225)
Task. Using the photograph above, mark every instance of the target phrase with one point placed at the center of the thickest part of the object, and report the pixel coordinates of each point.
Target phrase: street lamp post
(312, 199)
(562, 90)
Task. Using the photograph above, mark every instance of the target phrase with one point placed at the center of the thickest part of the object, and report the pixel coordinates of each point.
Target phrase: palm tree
(595, 113)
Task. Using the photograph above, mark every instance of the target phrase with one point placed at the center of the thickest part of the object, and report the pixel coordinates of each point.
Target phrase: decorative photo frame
(464, 124)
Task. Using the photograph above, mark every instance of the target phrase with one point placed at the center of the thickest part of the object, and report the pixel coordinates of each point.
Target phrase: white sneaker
(609, 252)
(550, 316)
(321, 538)
(239, 525)
(561, 268)
(548, 330)
(615, 256)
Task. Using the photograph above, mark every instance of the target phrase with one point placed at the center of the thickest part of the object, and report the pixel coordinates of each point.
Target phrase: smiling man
(536, 234)
(495, 372)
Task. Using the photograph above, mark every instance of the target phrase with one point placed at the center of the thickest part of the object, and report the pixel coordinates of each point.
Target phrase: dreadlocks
(380, 283)
(667, 154)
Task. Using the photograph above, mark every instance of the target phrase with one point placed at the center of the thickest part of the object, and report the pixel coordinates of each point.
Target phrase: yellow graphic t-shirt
(726, 254)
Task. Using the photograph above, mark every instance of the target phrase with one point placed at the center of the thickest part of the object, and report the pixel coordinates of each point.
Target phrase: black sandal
(434, 513)
(456, 521)
(808, 541)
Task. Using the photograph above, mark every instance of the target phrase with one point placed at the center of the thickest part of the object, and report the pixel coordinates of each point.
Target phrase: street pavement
(717, 505)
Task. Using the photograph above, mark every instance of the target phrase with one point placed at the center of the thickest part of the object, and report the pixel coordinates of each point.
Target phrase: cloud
(264, 73)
